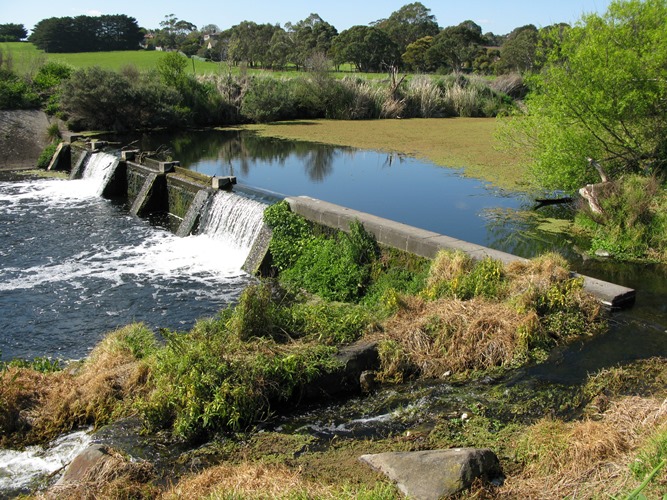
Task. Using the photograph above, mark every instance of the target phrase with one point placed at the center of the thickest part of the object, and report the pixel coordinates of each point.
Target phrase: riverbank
(466, 143)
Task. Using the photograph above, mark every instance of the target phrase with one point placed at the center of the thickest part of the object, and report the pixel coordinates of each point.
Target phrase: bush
(16, 93)
(268, 100)
(633, 225)
(208, 380)
(98, 99)
(46, 155)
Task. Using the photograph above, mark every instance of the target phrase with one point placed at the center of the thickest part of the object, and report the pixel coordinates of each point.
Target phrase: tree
(519, 52)
(173, 32)
(456, 47)
(602, 95)
(367, 47)
(11, 32)
(87, 34)
(408, 24)
(251, 42)
(280, 48)
(311, 35)
(415, 54)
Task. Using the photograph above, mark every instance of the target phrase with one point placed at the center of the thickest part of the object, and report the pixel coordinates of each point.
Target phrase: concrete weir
(152, 186)
(427, 243)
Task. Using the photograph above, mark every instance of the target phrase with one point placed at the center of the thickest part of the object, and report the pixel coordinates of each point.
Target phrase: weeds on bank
(633, 224)
(35, 407)
(479, 315)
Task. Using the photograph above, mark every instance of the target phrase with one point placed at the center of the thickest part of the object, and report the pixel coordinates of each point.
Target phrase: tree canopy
(408, 24)
(366, 47)
(602, 94)
(11, 32)
(87, 33)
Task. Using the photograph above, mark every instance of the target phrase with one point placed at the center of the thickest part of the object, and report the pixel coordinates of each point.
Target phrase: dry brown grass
(247, 480)
(449, 335)
(585, 459)
(448, 265)
(20, 390)
(114, 477)
(37, 407)
(539, 273)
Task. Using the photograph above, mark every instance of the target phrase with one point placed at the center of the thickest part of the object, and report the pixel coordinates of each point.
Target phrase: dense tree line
(87, 34)
(11, 32)
(410, 39)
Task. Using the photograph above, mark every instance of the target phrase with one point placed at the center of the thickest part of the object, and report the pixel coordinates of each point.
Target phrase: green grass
(27, 58)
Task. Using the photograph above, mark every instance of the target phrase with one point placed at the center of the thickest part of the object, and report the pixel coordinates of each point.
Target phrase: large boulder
(23, 136)
(430, 475)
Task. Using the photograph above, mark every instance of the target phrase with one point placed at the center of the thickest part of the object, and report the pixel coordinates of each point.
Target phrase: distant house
(210, 40)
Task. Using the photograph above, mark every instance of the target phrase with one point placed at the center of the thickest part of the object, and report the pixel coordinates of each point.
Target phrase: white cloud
(93, 13)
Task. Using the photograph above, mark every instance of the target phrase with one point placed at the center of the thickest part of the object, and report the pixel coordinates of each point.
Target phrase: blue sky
(497, 16)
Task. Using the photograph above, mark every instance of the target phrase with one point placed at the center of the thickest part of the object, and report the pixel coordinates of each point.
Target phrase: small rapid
(75, 266)
(22, 471)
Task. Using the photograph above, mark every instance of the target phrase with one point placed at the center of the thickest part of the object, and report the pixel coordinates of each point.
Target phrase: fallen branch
(593, 192)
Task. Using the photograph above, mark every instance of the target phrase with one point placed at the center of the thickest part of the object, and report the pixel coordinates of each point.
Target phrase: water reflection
(388, 185)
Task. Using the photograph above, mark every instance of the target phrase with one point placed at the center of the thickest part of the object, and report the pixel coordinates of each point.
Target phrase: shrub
(331, 323)
(208, 380)
(16, 93)
(267, 100)
(335, 268)
(633, 225)
(291, 233)
(46, 155)
(99, 99)
(51, 75)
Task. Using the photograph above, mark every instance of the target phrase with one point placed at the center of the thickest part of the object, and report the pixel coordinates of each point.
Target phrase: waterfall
(234, 218)
(99, 170)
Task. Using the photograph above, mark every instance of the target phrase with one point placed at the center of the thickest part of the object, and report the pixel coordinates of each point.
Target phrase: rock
(603, 254)
(23, 136)
(367, 381)
(430, 475)
(354, 360)
(82, 463)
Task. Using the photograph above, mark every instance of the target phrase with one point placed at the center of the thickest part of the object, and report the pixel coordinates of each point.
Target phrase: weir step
(427, 243)
(143, 197)
(194, 211)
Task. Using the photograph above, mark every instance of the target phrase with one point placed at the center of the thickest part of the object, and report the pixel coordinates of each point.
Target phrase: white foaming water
(99, 169)
(233, 218)
(20, 469)
(74, 266)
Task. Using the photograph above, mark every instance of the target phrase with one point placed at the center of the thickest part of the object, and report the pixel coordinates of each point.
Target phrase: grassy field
(26, 58)
(467, 143)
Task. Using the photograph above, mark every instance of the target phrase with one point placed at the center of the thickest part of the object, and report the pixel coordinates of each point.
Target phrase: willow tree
(603, 95)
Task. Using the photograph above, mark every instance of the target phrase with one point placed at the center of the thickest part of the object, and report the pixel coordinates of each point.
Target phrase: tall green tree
(415, 56)
(310, 36)
(456, 47)
(173, 32)
(408, 24)
(519, 52)
(11, 32)
(368, 48)
(87, 33)
(602, 94)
